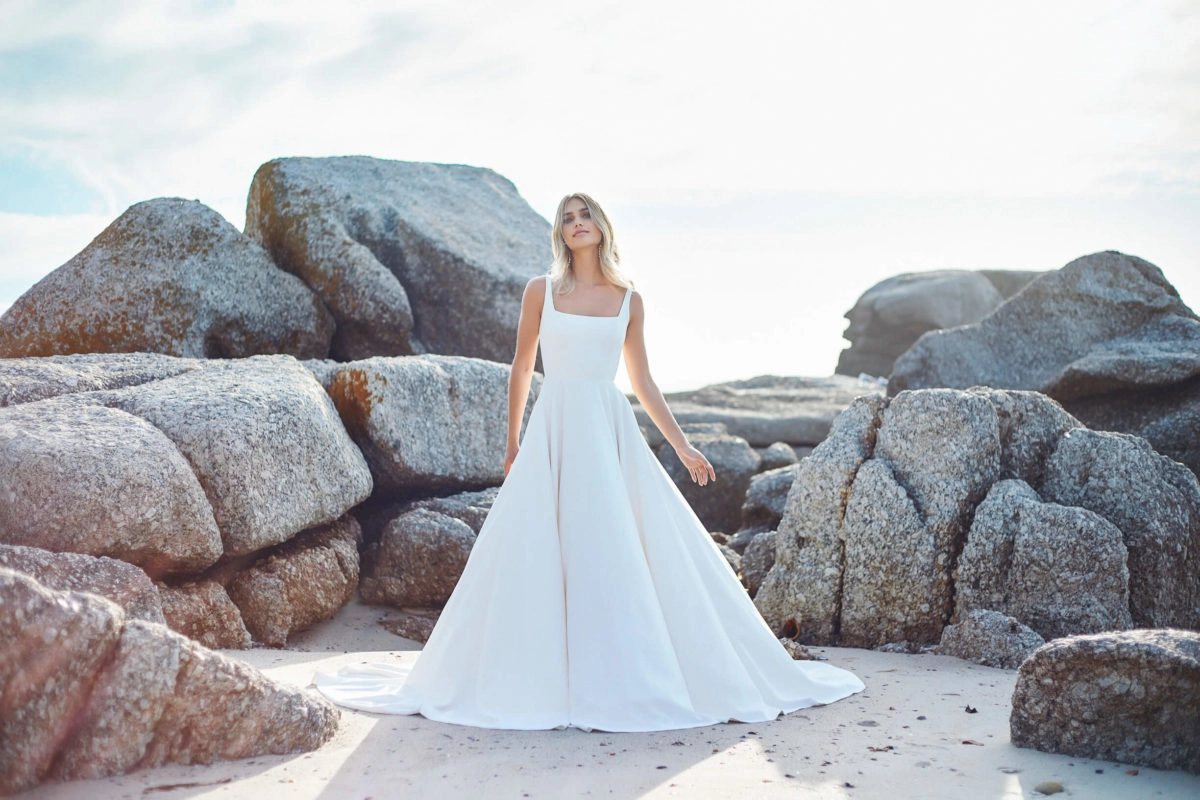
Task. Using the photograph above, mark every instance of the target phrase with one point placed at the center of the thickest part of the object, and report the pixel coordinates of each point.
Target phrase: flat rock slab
(766, 409)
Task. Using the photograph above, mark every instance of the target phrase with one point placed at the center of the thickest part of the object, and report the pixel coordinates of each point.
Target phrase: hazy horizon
(763, 166)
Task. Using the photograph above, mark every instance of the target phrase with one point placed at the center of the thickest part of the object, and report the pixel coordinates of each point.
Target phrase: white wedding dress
(593, 596)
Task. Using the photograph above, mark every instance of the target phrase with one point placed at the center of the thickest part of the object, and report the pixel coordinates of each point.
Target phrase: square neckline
(550, 300)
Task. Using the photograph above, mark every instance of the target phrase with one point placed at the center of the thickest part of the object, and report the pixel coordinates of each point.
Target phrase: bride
(593, 596)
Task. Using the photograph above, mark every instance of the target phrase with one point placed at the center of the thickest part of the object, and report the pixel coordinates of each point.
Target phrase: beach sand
(909, 735)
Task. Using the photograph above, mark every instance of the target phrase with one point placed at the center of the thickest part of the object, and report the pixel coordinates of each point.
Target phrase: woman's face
(578, 230)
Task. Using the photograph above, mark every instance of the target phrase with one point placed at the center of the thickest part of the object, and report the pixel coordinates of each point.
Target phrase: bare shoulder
(536, 287)
(635, 302)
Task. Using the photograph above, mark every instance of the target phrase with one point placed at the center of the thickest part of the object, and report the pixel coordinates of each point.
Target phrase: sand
(909, 735)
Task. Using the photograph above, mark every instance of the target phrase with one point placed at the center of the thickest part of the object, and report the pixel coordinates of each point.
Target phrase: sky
(764, 163)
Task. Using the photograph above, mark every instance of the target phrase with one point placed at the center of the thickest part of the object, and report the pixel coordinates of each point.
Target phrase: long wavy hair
(562, 272)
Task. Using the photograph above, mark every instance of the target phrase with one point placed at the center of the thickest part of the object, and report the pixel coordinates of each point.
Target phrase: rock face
(88, 479)
(1106, 335)
(24, 380)
(757, 561)
(203, 612)
(718, 503)
(305, 581)
(990, 638)
(919, 510)
(168, 276)
(766, 499)
(171, 466)
(766, 409)
(122, 583)
(265, 442)
(892, 315)
(410, 258)
(1017, 560)
(90, 693)
(420, 558)
(1129, 696)
(429, 423)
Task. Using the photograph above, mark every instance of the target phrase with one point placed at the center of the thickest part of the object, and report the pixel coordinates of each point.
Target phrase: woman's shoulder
(538, 285)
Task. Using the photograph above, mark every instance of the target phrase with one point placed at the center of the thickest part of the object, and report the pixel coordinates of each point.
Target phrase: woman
(593, 596)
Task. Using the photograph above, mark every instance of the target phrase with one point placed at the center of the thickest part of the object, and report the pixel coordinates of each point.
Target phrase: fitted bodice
(576, 346)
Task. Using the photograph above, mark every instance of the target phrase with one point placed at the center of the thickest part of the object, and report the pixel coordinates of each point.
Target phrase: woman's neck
(586, 268)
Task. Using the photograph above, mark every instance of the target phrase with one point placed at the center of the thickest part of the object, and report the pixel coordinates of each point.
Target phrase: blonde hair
(561, 273)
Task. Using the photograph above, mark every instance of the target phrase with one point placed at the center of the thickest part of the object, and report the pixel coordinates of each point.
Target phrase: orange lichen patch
(354, 399)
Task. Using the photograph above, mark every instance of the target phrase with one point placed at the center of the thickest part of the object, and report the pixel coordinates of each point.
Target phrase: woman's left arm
(651, 397)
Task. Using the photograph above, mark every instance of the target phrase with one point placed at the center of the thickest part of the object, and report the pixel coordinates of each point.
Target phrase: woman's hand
(510, 455)
(697, 465)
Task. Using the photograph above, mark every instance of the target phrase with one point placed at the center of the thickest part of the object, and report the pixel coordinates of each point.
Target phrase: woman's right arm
(523, 361)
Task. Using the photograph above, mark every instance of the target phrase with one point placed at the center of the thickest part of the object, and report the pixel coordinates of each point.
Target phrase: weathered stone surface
(51, 645)
(24, 380)
(877, 536)
(805, 585)
(797, 651)
(82, 478)
(409, 257)
(302, 582)
(225, 709)
(408, 415)
(936, 454)
(1031, 425)
(779, 454)
(117, 722)
(265, 441)
(1060, 570)
(203, 612)
(990, 638)
(757, 561)
(89, 693)
(1129, 696)
(766, 409)
(417, 627)
(732, 558)
(419, 560)
(1090, 334)
(766, 499)
(893, 314)
(718, 503)
(122, 583)
(1154, 501)
(168, 276)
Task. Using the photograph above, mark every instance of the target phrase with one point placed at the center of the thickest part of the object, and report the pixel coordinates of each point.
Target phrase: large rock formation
(887, 535)
(89, 692)
(1129, 696)
(83, 478)
(1106, 335)
(168, 276)
(894, 313)
(265, 441)
(410, 258)
(174, 464)
(766, 409)
(430, 423)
